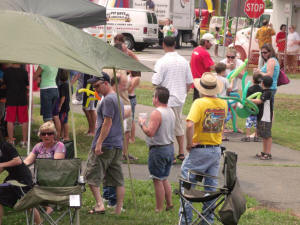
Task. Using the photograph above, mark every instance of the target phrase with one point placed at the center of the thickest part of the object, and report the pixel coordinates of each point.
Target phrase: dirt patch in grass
(287, 103)
(146, 87)
(261, 207)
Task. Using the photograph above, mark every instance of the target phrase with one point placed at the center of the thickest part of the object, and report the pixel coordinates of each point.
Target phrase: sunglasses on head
(231, 57)
(47, 133)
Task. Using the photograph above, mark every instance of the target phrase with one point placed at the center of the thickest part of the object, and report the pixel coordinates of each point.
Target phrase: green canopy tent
(34, 39)
(78, 13)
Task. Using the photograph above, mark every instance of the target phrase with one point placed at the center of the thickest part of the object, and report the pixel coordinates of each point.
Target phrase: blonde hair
(49, 125)
(231, 50)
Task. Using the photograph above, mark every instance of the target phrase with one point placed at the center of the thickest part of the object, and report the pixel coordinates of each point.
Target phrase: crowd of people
(173, 78)
(288, 43)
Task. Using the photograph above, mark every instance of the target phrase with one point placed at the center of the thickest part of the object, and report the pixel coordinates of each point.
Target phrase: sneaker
(111, 206)
(114, 206)
(76, 102)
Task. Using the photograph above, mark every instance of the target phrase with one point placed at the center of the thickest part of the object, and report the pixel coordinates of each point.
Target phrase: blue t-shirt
(109, 108)
(275, 74)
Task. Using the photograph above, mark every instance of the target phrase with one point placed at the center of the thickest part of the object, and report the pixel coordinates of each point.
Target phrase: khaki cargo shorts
(179, 131)
(127, 124)
(105, 167)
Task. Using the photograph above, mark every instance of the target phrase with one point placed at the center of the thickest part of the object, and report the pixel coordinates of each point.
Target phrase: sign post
(253, 9)
(287, 11)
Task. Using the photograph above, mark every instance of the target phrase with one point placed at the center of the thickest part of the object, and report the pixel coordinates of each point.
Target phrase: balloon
(237, 71)
(245, 106)
(89, 92)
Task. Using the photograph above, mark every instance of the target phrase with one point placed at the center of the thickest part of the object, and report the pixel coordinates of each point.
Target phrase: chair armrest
(200, 175)
(188, 184)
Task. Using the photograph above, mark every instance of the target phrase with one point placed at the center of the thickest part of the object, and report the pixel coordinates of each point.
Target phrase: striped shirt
(173, 72)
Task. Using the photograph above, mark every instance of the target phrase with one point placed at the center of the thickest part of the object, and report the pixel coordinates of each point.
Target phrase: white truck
(139, 27)
(181, 12)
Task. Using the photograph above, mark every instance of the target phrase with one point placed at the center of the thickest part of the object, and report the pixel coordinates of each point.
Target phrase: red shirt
(200, 62)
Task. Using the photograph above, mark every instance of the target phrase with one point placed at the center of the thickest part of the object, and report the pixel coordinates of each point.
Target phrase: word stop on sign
(254, 7)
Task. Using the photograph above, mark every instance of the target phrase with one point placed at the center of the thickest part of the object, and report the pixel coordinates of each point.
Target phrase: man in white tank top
(160, 138)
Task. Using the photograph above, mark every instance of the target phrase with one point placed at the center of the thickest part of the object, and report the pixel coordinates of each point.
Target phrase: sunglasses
(47, 133)
(231, 57)
(97, 85)
(264, 52)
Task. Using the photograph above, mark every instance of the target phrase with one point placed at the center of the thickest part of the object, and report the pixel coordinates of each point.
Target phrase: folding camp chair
(56, 182)
(193, 192)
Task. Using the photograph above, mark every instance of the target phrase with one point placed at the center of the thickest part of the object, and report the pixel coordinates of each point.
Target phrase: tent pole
(30, 107)
(225, 28)
(128, 162)
(72, 117)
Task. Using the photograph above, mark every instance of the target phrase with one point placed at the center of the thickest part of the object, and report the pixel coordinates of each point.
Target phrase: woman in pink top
(49, 147)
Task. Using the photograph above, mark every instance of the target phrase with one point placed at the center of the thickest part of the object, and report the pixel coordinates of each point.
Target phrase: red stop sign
(254, 8)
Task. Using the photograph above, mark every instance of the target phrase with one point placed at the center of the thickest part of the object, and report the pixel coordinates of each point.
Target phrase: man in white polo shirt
(173, 72)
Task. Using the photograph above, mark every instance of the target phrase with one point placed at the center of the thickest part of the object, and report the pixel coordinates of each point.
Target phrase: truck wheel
(129, 42)
(139, 46)
(241, 54)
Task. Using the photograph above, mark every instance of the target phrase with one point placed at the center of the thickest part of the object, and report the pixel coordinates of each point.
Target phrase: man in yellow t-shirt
(264, 36)
(205, 123)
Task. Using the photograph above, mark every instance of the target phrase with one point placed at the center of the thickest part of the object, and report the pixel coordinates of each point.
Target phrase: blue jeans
(110, 194)
(204, 160)
(49, 97)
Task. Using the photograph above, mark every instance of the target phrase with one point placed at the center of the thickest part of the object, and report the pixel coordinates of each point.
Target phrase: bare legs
(57, 125)
(99, 203)
(132, 134)
(163, 192)
(10, 131)
(96, 193)
(180, 141)
(267, 144)
(91, 118)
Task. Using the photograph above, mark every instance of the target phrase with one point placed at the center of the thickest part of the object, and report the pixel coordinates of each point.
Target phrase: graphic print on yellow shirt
(213, 121)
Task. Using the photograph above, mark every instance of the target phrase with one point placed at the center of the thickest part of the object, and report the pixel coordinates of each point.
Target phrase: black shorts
(264, 129)
(9, 194)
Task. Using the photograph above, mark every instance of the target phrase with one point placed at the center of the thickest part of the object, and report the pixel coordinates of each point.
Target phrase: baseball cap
(209, 37)
(104, 77)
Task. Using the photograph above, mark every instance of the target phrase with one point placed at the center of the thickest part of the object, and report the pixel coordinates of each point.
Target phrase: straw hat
(209, 84)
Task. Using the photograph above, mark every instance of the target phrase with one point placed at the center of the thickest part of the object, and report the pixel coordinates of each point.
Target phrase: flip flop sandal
(180, 157)
(266, 157)
(245, 139)
(259, 155)
(94, 211)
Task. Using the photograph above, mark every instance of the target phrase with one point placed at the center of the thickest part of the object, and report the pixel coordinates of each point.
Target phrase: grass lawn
(145, 215)
(286, 125)
(144, 191)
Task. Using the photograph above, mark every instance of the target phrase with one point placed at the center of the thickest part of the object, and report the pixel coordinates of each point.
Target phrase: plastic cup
(142, 115)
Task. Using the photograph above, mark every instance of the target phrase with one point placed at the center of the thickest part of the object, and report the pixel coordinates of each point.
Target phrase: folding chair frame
(211, 208)
(224, 191)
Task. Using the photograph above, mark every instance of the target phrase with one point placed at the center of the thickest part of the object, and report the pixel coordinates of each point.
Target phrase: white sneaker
(76, 102)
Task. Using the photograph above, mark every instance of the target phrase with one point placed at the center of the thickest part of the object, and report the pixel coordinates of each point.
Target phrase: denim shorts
(133, 104)
(49, 97)
(251, 121)
(160, 161)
